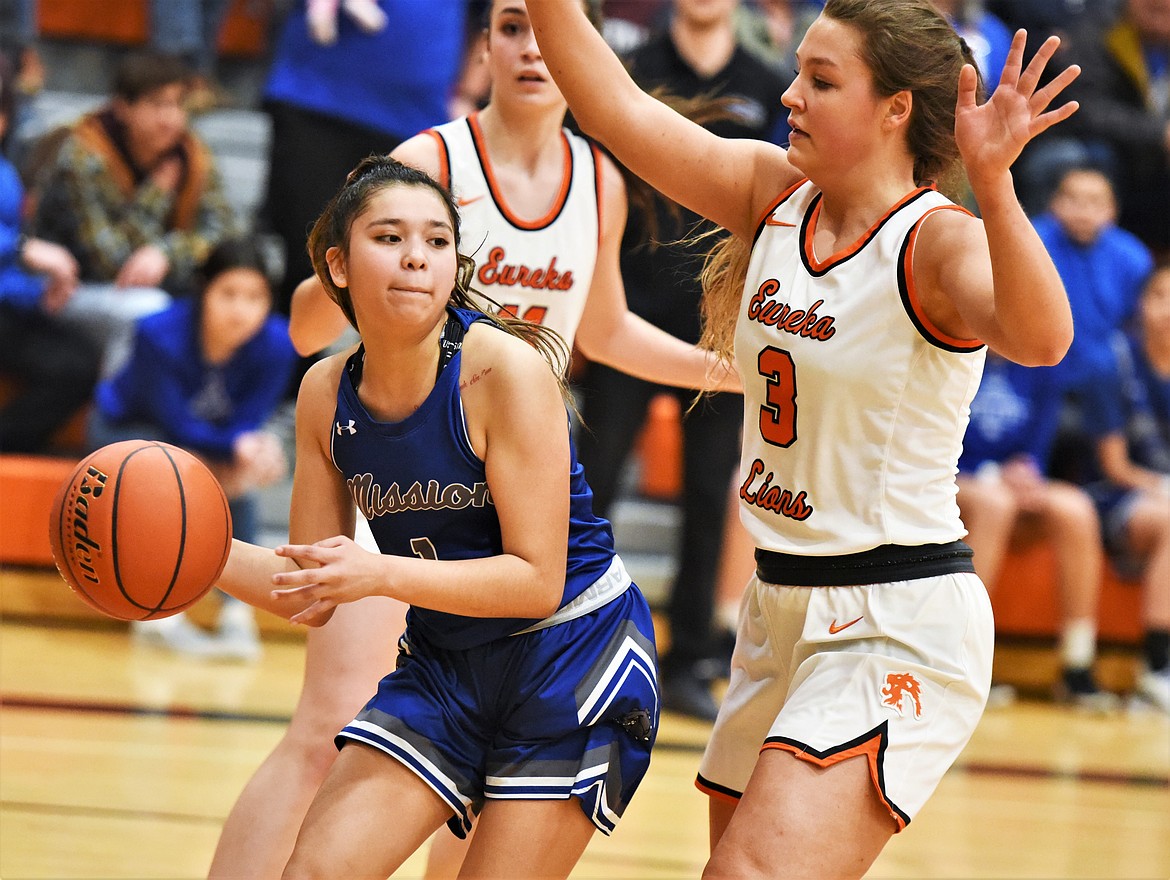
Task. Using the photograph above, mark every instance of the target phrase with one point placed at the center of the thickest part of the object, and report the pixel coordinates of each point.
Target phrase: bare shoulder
(772, 173)
(421, 152)
(949, 238)
(318, 391)
(506, 387)
(613, 184)
(500, 361)
(614, 205)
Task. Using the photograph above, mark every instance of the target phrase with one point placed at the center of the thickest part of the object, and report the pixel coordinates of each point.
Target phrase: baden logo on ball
(140, 530)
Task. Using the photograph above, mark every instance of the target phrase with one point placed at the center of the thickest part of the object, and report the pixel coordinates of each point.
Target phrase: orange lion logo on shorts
(900, 685)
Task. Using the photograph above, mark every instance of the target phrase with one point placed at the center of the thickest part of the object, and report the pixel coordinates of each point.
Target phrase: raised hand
(991, 136)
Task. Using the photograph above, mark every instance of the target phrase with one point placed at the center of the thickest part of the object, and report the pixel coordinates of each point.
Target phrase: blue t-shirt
(18, 286)
(990, 40)
(1103, 281)
(199, 406)
(1132, 400)
(425, 493)
(1015, 412)
(396, 81)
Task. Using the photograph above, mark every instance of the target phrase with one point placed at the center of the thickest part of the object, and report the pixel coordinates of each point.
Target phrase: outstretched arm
(610, 334)
(728, 181)
(992, 279)
(996, 274)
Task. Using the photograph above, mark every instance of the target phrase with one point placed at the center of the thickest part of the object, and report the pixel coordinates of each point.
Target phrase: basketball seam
(182, 530)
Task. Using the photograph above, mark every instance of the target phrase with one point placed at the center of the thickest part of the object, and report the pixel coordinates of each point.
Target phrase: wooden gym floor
(119, 761)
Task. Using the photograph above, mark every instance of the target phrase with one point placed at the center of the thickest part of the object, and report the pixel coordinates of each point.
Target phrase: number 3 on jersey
(778, 414)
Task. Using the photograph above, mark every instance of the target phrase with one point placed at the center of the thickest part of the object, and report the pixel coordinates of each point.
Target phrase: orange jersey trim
(914, 304)
(713, 789)
(871, 745)
(776, 203)
(497, 194)
(598, 184)
(444, 161)
(821, 266)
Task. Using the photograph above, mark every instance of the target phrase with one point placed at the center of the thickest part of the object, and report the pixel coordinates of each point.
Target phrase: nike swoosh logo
(834, 629)
(463, 203)
(768, 221)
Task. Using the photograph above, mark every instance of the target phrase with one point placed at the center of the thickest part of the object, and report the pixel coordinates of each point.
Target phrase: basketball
(140, 530)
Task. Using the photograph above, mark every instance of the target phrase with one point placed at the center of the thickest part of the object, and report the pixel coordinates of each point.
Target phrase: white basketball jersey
(539, 269)
(855, 405)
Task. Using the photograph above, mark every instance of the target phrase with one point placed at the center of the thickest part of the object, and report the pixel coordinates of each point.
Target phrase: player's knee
(313, 744)
(306, 864)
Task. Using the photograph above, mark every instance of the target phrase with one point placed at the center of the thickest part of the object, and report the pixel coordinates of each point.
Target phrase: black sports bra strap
(450, 341)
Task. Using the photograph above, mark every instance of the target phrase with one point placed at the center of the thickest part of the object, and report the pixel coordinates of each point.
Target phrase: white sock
(236, 613)
(1078, 643)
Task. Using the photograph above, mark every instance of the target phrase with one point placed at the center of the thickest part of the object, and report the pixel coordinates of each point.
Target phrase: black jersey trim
(881, 733)
(858, 246)
(479, 146)
(904, 285)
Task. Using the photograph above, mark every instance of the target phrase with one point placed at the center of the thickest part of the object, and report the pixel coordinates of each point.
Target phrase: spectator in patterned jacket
(134, 195)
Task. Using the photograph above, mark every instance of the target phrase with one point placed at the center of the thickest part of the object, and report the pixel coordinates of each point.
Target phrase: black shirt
(662, 282)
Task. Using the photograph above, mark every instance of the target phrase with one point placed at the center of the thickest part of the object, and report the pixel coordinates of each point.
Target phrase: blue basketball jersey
(425, 493)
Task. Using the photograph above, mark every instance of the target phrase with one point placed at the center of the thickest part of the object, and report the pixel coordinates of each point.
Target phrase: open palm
(991, 136)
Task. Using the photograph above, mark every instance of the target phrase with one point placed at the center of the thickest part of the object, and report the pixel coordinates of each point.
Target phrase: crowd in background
(119, 249)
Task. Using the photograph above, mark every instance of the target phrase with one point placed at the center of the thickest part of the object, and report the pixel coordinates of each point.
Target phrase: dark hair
(230, 253)
(332, 229)
(7, 87)
(140, 73)
(1082, 166)
(592, 11)
(233, 253)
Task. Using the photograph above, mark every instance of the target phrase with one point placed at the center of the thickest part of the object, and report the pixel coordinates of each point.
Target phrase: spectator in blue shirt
(986, 34)
(1003, 490)
(1103, 268)
(53, 365)
(206, 374)
(1131, 427)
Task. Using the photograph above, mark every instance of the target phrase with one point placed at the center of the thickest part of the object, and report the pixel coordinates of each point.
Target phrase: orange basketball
(140, 530)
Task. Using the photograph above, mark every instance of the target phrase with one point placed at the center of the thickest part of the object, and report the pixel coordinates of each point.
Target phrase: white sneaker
(175, 633)
(238, 636)
(1000, 696)
(1154, 688)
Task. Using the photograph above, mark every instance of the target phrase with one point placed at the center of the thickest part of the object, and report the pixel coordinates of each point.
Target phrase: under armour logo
(346, 429)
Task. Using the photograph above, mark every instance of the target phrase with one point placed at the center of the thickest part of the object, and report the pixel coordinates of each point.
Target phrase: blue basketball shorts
(566, 711)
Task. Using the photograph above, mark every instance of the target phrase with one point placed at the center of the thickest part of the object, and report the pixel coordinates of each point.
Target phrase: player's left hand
(333, 571)
(991, 136)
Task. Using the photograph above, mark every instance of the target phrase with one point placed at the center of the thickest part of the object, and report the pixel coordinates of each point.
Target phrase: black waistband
(890, 562)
